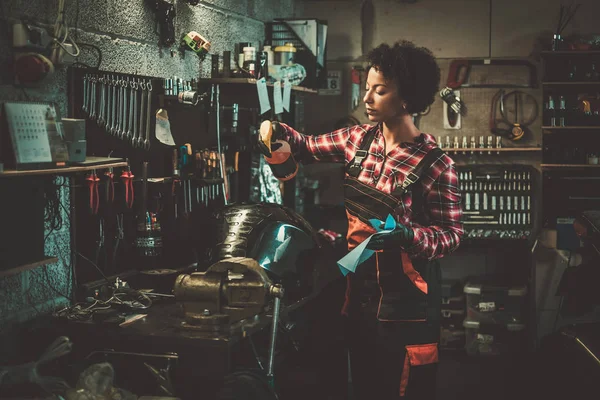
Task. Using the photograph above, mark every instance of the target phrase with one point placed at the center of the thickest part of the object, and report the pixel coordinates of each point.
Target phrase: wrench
(93, 99)
(109, 98)
(136, 85)
(101, 116)
(126, 97)
(85, 93)
(148, 109)
(131, 110)
(119, 87)
(115, 89)
(122, 122)
(140, 133)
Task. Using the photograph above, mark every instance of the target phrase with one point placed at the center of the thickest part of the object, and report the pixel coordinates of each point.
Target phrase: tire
(246, 385)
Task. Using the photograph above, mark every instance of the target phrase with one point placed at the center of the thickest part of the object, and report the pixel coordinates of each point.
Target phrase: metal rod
(274, 325)
(217, 108)
(73, 225)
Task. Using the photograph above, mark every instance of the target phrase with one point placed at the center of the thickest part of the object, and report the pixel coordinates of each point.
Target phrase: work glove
(269, 132)
(394, 240)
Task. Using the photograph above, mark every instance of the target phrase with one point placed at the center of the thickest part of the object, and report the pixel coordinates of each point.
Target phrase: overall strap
(415, 174)
(355, 166)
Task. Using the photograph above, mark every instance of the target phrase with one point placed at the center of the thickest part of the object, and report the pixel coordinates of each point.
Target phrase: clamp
(127, 178)
(92, 182)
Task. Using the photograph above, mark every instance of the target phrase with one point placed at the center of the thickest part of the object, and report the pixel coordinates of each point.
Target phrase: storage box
(452, 338)
(452, 318)
(490, 302)
(493, 339)
(452, 288)
(454, 303)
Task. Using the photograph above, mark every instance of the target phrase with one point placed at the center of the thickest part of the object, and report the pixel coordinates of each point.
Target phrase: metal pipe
(274, 326)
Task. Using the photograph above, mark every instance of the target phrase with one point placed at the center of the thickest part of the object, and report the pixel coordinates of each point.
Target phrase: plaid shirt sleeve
(328, 147)
(442, 236)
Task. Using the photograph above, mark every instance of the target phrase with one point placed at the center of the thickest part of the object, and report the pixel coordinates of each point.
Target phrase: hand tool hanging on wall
(149, 237)
(216, 124)
(127, 178)
(148, 109)
(120, 105)
(92, 182)
(184, 154)
(521, 121)
(452, 100)
(165, 15)
(459, 70)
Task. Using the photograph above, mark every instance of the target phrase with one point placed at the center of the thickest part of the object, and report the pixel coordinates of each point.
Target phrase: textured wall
(125, 31)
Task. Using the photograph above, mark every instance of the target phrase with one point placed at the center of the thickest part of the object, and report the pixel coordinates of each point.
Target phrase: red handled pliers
(127, 178)
(92, 182)
(110, 186)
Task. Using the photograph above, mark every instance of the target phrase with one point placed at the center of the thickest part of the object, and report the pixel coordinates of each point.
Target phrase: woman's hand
(269, 132)
(394, 240)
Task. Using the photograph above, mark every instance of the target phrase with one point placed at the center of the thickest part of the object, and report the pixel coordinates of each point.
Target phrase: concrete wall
(125, 32)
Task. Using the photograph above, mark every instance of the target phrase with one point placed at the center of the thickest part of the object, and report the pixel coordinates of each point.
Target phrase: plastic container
(452, 287)
(488, 302)
(452, 318)
(493, 339)
(284, 55)
(452, 338)
(454, 303)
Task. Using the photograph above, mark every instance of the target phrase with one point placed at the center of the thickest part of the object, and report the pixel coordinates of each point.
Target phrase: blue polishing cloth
(360, 253)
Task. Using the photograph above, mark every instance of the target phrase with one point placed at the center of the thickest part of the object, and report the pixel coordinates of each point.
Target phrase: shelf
(574, 83)
(89, 164)
(570, 128)
(26, 267)
(570, 52)
(251, 81)
(565, 166)
(501, 149)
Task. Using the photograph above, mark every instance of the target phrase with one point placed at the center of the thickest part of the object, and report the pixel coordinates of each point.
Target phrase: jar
(592, 159)
(284, 55)
(250, 60)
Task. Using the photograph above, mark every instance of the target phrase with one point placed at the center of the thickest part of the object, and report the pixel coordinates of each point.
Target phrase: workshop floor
(461, 377)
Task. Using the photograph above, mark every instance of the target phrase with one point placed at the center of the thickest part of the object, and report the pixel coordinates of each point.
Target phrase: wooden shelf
(501, 149)
(570, 128)
(26, 267)
(89, 164)
(558, 166)
(251, 81)
(574, 83)
(570, 52)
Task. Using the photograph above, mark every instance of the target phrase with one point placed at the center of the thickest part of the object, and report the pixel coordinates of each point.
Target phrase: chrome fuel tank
(280, 240)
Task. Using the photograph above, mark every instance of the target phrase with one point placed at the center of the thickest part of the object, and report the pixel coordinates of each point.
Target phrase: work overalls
(393, 303)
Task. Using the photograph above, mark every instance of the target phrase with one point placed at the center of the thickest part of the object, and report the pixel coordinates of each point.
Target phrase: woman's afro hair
(414, 69)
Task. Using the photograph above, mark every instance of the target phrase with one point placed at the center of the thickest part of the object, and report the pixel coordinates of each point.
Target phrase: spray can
(281, 161)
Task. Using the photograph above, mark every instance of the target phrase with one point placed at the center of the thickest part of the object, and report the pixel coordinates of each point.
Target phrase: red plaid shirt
(443, 229)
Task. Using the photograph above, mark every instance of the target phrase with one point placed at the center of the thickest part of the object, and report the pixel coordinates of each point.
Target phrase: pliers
(127, 178)
(110, 186)
(92, 182)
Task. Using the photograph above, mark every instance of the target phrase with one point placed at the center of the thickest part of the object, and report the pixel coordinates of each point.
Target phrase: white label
(263, 95)
(277, 98)
(287, 94)
(487, 306)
